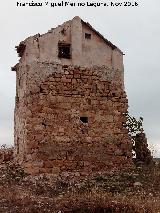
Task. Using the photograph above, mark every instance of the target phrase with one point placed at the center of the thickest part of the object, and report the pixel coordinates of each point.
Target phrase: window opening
(64, 50)
(87, 35)
(84, 119)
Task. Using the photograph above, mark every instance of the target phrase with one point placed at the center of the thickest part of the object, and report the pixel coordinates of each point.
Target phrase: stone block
(53, 136)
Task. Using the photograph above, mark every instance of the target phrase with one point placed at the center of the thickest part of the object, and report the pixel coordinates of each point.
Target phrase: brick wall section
(49, 135)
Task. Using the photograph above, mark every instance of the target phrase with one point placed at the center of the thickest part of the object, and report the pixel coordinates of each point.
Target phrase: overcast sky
(135, 30)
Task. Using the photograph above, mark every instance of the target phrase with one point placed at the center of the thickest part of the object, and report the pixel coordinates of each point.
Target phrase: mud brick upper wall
(84, 52)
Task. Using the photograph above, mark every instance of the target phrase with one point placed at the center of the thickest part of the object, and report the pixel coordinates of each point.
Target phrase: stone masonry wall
(49, 134)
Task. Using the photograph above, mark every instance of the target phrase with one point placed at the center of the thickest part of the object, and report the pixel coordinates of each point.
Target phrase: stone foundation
(70, 119)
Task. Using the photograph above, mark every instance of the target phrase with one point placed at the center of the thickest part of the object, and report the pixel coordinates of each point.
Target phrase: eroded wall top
(74, 42)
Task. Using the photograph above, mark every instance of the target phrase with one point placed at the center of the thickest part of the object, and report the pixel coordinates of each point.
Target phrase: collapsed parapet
(70, 118)
(143, 154)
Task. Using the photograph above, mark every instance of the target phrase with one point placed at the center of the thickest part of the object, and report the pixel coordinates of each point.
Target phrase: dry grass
(114, 192)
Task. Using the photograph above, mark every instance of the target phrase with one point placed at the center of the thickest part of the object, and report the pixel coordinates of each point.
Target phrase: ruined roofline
(22, 45)
(86, 23)
(40, 35)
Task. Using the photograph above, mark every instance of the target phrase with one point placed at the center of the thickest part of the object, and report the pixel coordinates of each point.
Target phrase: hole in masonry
(84, 119)
(87, 36)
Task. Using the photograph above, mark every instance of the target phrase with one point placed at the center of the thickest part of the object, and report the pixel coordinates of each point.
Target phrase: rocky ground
(137, 190)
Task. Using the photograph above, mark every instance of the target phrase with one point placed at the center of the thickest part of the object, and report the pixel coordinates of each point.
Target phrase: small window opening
(87, 35)
(64, 50)
(84, 119)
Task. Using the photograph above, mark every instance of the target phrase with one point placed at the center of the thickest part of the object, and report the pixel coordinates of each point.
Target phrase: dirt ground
(137, 190)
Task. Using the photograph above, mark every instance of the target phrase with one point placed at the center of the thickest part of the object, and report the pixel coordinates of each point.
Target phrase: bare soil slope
(137, 190)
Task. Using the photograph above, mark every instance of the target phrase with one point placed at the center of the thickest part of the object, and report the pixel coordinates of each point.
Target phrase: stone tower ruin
(70, 103)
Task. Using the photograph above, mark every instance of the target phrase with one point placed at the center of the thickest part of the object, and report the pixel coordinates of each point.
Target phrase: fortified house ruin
(70, 103)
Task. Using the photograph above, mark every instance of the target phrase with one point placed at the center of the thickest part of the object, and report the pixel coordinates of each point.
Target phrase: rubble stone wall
(49, 134)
